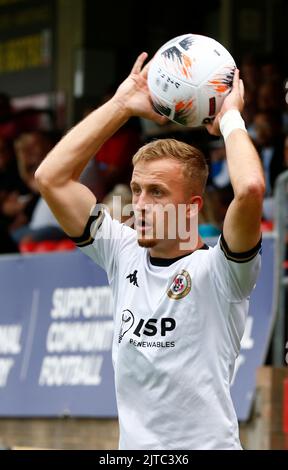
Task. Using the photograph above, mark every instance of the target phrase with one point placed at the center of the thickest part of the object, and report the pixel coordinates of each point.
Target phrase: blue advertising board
(56, 331)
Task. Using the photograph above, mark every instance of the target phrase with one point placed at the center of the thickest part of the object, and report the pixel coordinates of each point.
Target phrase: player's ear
(198, 200)
(194, 207)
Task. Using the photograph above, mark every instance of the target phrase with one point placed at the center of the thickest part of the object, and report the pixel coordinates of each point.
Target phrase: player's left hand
(133, 94)
(235, 100)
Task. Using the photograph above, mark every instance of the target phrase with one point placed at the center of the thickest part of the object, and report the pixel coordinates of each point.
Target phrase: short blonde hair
(195, 168)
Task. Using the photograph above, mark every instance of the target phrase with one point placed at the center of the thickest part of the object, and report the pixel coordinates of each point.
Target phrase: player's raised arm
(242, 222)
(58, 174)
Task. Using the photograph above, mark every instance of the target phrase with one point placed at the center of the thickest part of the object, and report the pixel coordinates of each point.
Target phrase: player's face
(159, 195)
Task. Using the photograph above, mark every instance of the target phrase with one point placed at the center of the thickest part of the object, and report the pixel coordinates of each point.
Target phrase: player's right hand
(235, 100)
(133, 94)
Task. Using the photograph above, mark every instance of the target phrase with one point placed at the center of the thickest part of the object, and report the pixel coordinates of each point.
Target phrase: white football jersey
(178, 327)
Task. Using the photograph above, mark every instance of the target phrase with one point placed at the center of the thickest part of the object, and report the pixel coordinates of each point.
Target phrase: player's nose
(142, 202)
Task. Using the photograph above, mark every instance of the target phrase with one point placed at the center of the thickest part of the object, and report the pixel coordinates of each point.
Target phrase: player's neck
(174, 251)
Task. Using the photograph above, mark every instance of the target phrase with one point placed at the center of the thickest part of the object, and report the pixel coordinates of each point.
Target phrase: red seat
(65, 245)
(27, 247)
(46, 246)
(267, 226)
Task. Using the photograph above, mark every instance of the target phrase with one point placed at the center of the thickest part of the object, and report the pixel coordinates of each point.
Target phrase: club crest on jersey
(180, 286)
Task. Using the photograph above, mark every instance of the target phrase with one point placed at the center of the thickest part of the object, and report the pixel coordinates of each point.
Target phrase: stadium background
(61, 58)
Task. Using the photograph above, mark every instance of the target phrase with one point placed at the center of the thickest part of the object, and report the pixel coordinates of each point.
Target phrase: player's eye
(136, 190)
(157, 192)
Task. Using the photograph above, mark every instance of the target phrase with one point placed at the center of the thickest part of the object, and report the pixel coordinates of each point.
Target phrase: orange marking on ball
(179, 106)
(183, 105)
(218, 86)
(184, 72)
(187, 61)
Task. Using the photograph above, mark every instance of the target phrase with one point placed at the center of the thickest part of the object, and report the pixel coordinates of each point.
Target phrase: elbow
(257, 189)
(45, 176)
(253, 190)
(42, 179)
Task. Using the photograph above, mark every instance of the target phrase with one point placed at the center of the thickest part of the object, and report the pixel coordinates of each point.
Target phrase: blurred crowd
(26, 221)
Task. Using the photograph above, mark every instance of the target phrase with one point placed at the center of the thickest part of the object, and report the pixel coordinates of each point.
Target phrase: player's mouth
(142, 226)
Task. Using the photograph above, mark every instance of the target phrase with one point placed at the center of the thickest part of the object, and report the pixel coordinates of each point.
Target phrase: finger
(139, 63)
(146, 67)
(236, 79)
(159, 119)
(242, 90)
(164, 120)
(144, 71)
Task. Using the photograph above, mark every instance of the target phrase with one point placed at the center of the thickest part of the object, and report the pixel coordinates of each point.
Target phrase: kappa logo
(133, 278)
(180, 286)
(127, 321)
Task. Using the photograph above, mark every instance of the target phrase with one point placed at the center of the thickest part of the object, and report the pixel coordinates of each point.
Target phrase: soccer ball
(189, 78)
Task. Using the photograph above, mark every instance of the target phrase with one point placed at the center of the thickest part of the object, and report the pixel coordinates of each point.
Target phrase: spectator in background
(216, 203)
(250, 109)
(31, 148)
(14, 197)
(218, 175)
(40, 224)
(263, 103)
(10, 205)
(8, 168)
(250, 72)
(264, 89)
(219, 191)
(269, 141)
(250, 76)
(270, 97)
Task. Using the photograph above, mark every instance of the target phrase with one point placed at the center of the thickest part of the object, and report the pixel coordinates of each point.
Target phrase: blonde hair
(195, 168)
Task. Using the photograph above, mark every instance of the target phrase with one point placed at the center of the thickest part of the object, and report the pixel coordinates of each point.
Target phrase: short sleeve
(102, 239)
(235, 274)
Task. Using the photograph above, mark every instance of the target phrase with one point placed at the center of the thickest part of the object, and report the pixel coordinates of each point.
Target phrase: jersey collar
(168, 261)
